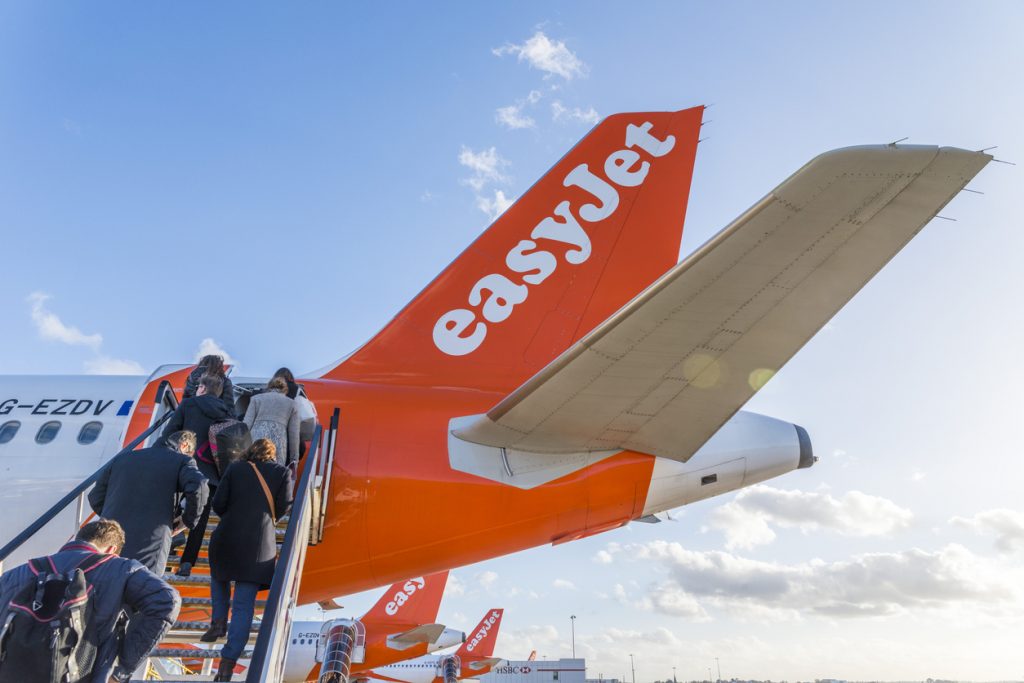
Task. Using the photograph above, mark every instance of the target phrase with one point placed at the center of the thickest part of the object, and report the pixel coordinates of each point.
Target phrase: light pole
(709, 674)
(572, 624)
(632, 667)
(674, 675)
(719, 670)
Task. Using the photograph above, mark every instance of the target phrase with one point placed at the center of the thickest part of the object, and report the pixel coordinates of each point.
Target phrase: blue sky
(283, 179)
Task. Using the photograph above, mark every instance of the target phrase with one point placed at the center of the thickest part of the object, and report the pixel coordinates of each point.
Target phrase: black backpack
(48, 635)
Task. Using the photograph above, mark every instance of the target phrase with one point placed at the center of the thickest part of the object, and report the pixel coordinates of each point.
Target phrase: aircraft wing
(426, 633)
(668, 369)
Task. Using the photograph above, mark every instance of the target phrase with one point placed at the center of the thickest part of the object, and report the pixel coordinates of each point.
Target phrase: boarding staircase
(181, 657)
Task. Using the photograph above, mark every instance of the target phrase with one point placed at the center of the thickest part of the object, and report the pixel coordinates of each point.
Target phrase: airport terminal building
(538, 671)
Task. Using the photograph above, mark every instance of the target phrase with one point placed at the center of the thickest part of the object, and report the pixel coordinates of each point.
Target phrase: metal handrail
(268, 652)
(327, 467)
(72, 495)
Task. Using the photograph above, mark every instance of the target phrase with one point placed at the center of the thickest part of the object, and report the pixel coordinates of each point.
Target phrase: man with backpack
(83, 615)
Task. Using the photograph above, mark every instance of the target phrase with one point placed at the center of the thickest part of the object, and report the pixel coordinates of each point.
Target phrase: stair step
(187, 653)
(280, 531)
(202, 627)
(194, 580)
(200, 561)
(207, 602)
(189, 632)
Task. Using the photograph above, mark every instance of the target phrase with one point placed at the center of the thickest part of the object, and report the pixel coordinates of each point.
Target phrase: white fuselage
(35, 473)
(306, 648)
(420, 670)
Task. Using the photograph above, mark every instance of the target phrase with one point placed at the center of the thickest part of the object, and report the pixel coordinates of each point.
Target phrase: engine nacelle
(448, 638)
(748, 449)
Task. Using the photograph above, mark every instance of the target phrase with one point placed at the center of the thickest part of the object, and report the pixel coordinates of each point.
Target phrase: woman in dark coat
(211, 365)
(243, 547)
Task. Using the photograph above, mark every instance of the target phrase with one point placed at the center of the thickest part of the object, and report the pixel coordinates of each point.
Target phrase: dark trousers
(195, 535)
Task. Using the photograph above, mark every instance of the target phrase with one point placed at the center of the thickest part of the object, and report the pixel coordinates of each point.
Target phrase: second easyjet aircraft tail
(480, 642)
(415, 601)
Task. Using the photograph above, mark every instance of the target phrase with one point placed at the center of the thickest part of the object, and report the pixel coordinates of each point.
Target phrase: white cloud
(551, 57)
(542, 638)
(513, 118)
(487, 579)
(874, 584)
(495, 206)
(563, 114)
(668, 597)
(564, 584)
(52, 328)
(607, 556)
(1006, 525)
(486, 166)
(746, 520)
(104, 365)
(534, 96)
(210, 347)
(455, 587)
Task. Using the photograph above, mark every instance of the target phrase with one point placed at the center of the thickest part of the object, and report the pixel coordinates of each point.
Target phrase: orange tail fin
(480, 642)
(600, 226)
(415, 601)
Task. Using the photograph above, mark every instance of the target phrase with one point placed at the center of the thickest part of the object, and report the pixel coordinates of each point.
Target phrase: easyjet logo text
(402, 596)
(494, 296)
(485, 627)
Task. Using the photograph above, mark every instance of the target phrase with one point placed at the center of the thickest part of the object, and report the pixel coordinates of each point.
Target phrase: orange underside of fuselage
(397, 509)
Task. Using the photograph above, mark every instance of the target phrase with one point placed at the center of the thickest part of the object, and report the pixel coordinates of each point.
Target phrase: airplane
(474, 658)
(399, 626)
(563, 376)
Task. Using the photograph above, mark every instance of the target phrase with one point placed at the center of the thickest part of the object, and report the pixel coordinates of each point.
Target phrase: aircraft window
(8, 430)
(708, 479)
(90, 432)
(48, 432)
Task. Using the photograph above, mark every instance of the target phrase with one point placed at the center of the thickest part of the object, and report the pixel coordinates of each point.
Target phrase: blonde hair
(277, 384)
(261, 450)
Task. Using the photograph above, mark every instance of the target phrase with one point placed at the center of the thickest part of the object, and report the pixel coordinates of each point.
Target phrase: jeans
(242, 607)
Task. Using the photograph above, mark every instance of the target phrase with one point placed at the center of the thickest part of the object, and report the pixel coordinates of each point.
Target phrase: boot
(224, 671)
(185, 569)
(218, 629)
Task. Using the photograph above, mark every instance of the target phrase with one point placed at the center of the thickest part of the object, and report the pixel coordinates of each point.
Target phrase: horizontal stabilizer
(424, 634)
(665, 372)
(484, 663)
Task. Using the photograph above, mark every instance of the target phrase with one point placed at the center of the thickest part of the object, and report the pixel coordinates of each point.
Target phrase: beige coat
(280, 418)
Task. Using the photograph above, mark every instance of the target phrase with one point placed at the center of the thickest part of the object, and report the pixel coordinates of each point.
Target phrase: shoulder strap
(266, 490)
(90, 562)
(39, 565)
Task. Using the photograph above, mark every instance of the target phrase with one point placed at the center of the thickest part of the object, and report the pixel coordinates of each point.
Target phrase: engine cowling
(748, 449)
